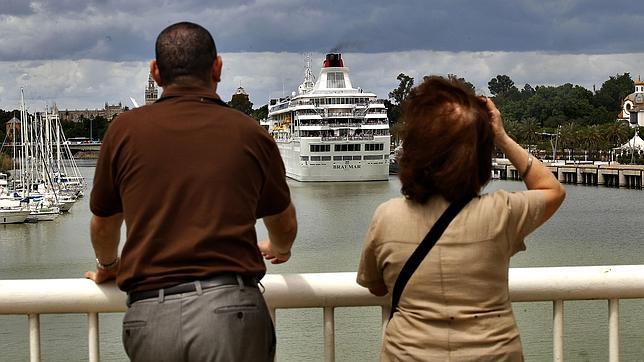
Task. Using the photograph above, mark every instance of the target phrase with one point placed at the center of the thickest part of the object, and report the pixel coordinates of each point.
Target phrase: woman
(456, 305)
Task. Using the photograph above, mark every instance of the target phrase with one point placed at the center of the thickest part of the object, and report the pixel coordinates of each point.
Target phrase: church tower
(151, 91)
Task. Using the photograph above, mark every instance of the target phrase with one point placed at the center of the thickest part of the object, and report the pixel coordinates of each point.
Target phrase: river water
(595, 226)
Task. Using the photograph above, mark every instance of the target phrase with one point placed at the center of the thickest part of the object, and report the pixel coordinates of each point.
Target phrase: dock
(602, 174)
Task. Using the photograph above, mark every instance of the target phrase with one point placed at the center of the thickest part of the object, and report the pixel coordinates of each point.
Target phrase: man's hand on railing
(269, 252)
(103, 275)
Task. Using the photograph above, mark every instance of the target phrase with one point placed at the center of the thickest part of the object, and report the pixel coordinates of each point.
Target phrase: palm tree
(513, 128)
(528, 129)
(616, 133)
(569, 136)
(594, 137)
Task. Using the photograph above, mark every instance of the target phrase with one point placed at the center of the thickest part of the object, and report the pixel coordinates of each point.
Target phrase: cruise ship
(330, 131)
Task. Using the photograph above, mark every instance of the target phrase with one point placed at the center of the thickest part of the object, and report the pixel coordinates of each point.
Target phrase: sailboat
(48, 179)
(12, 211)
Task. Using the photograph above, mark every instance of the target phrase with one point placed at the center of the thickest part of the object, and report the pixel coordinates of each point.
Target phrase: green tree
(393, 115)
(260, 113)
(612, 93)
(79, 128)
(99, 126)
(591, 137)
(242, 103)
(553, 106)
(399, 94)
(527, 91)
(569, 136)
(395, 101)
(462, 80)
(528, 132)
(502, 86)
(512, 128)
(616, 134)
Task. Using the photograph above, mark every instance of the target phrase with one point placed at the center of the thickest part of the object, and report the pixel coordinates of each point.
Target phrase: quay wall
(610, 175)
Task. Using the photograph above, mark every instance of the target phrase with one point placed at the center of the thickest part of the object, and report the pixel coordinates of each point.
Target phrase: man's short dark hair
(184, 50)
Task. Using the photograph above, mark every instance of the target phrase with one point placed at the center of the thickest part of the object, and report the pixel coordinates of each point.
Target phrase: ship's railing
(330, 124)
(376, 121)
(329, 291)
(364, 137)
(344, 124)
(367, 122)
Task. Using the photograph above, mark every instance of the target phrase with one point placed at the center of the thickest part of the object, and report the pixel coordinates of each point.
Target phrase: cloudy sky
(83, 53)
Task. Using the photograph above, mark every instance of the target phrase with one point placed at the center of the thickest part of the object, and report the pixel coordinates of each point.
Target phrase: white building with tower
(633, 106)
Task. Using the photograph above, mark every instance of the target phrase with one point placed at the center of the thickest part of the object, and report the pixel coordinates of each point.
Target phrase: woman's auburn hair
(447, 141)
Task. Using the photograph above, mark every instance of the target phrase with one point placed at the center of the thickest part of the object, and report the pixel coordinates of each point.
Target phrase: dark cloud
(15, 8)
(377, 26)
(125, 30)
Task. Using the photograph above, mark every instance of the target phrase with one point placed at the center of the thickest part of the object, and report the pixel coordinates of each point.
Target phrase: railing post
(34, 337)
(92, 335)
(557, 331)
(613, 330)
(329, 334)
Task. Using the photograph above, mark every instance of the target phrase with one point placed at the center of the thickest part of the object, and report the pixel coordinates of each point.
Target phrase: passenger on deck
(456, 305)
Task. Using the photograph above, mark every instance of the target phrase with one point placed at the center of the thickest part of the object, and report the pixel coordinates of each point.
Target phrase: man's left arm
(106, 234)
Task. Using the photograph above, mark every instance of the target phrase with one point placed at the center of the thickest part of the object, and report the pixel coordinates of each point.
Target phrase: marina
(329, 130)
(45, 180)
(595, 226)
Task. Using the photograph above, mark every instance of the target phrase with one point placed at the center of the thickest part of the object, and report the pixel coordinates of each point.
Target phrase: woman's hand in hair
(495, 121)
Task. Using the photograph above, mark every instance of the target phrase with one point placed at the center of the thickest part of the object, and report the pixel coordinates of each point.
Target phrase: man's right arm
(282, 229)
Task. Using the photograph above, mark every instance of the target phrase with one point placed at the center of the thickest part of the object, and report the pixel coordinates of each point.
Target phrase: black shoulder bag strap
(423, 249)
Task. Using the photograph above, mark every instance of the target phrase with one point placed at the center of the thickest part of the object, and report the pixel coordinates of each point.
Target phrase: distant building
(633, 106)
(241, 101)
(12, 127)
(108, 112)
(151, 91)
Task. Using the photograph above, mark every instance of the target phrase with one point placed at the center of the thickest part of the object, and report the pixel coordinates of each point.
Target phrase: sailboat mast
(57, 130)
(23, 133)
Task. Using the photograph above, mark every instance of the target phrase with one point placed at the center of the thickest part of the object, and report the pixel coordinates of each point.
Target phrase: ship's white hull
(329, 130)
(331, 171)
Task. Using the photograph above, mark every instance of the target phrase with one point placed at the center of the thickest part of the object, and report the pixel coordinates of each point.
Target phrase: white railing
(329, 291)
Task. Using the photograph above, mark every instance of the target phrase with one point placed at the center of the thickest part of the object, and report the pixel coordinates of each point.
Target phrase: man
(190, 176)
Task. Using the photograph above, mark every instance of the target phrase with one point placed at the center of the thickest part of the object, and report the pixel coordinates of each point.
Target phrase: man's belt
(219, 280)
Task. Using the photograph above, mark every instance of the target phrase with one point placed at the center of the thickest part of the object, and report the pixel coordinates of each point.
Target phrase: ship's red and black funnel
(333, 60)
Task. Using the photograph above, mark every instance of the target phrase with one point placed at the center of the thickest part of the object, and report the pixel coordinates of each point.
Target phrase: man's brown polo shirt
(191, 177)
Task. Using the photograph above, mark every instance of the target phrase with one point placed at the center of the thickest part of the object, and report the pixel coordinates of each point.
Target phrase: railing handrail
(42, 296)
(328, 291)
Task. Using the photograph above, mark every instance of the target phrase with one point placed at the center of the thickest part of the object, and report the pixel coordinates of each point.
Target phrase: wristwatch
(108, 266)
